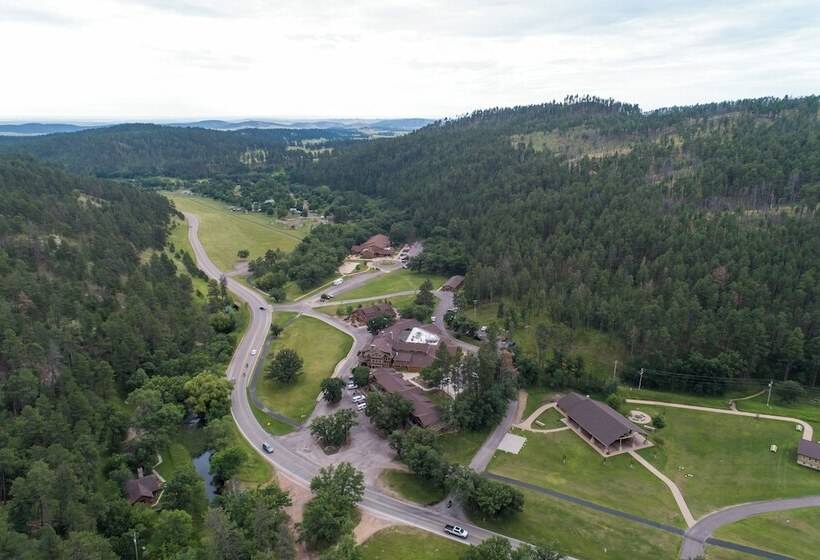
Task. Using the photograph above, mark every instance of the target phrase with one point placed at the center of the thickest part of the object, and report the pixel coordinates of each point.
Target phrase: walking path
(527, 424)
(676, 493)
(808, 431)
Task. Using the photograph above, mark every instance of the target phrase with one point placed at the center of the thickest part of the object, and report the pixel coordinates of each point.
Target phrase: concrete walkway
(527, 423)
(808, 431)
(676, 493)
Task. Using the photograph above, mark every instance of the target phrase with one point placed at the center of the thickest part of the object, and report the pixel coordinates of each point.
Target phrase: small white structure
(420, 336)
(512, 443)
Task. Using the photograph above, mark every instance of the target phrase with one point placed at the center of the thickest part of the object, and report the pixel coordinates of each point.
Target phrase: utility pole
(769, 397)
(615, 371)
(136, 550)
(640, 381)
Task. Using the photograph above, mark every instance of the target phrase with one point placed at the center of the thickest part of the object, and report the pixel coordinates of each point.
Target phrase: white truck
(456, 531)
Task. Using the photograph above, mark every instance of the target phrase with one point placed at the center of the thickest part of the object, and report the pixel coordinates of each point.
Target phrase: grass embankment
(536, 396)
(188, 443)
(582, 532)
(459, 447)
(321, 347)
(561, 461)
(223, 232)
(548, 420)
(398, 281)
(728, 458)
(412, 487)
(793, 533)
(333, 310)
(405, 543)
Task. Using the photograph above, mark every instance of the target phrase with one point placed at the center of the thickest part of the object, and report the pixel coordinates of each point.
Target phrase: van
(338, 281)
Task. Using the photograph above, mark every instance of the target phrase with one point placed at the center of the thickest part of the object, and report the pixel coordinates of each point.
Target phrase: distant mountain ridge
(370, 127)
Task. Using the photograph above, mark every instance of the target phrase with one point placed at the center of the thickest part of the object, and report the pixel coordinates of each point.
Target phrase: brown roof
(378, 241)
(454, 282)
(809, 449)
(423, 409)
(375, 311)
(142, 488)
(604, 423)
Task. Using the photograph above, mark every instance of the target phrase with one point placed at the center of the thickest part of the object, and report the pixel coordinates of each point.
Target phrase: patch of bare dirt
(369, 525)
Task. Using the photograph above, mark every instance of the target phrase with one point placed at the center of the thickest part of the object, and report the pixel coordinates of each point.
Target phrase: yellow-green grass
(412, 487)
(598, 349)
(321, 347)
(719, 553)
(807, 409)
(549, 419)
(728, 457)
(398, 281)
(255, 470)
(224, 233)
(721, 401)
(460, 447)
(406, 543)
(794, 533)
(562, 461)
(271, 425)
(582, 532)
(536, 396)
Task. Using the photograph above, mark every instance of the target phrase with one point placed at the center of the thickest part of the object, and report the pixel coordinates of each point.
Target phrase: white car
(359, 398)
(338, 281)
(352, 386)
(253, 351)
(361, 406)
(457, 531)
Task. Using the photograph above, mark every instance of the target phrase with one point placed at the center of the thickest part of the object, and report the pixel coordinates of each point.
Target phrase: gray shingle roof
(809, 449)
(604, 423)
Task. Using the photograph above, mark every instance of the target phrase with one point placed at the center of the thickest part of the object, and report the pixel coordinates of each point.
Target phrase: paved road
(288, 461)
(485, 453)
(701, 532)
(444, 303)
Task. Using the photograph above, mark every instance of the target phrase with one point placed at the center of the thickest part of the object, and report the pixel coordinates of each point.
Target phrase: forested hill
(132, 150)
(101, 357)
(691, 233)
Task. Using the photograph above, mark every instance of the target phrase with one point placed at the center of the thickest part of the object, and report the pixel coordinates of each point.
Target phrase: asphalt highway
(289, 462)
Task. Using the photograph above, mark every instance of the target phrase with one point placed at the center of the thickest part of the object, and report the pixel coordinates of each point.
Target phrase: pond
(202, 464)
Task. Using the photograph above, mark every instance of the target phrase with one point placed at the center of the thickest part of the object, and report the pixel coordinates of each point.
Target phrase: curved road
(289, 463)
(697, 535)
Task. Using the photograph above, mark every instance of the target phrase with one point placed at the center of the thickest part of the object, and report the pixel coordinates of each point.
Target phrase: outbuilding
(808, 454)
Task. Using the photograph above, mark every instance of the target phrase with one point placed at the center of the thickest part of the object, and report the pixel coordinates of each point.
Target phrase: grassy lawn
(793, 533)
(678, 398)
(270, 425)
(720, 553)
(255, 470)
(223, 232)
(536, 396)
(412, 488)
(584, 533)
(459, 447)
(406, 543)
(549, 419)
(561, 461)
(333, 310)
(399, 281)
(321, 347)
(729, 457)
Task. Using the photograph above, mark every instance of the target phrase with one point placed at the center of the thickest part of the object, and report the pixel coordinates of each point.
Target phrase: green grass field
(793, 533)
(729, 458)
(561, 461)
(398, 281)
(223, 232)
(270, 425)
(584, 533)
(321, 347)
(536, 396)
(397, 302)
(405, 543)
(549, 419)
(459, 447)
(411, 487)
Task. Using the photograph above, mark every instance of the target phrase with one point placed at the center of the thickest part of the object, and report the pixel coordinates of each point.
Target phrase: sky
(188, 59)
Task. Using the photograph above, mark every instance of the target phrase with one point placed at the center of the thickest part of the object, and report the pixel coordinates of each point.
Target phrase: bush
(789, 391)
(361, 375)
(659, 422)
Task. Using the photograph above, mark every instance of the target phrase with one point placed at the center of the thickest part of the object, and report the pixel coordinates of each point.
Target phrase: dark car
(325, 297)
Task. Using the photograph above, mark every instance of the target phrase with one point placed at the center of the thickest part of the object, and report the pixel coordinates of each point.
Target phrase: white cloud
(152, 59)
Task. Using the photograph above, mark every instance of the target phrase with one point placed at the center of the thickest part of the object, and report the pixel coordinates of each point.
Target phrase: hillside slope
(691, 233)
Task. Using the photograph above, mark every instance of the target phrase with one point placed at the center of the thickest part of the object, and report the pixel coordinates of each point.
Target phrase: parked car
(267, 448)
(457, 531)
(351, 386)
(361, 406)
(359, 398)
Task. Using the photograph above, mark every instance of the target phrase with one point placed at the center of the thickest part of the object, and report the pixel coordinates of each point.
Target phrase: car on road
(253, 351)
(261, 307)
(267, 448)
(325, 297)
(457, 531)
(338, 281)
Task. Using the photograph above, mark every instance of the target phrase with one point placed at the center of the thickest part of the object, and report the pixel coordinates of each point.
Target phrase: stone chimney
(139, 472)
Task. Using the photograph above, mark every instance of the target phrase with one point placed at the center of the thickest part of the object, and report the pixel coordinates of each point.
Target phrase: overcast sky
(155, 59)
